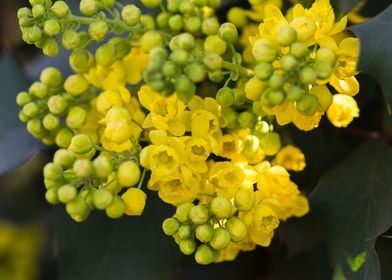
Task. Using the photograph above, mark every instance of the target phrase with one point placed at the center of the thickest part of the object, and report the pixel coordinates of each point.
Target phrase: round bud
(23, 98)
(128, 173)
(163, 20)
(64, 158)
(182, 212)
(105, 55)
(299, 50)
(22, 117)
(244, 199)
(214, 43)
(106, 3)
(304, 26)
(38, 11)
(116, 209)
(176, 23)
(98, 30)
(34, 34)
(76, 85)
(247, 119)
(150, 40)
(24, 12)
(204, 233)
(57, 104)
(289, 62)
(51, 76)
(135, 201)
(216, 76)
(83, 168)
(185, 7)
(34, 127)
(220, 239)
(50, 48)
(263, 51)
(70, 39)
(51, 196)
(263, 70)
(204, 255)
(213, 61)
(31, 109)
(199, 214)
(228, 32)
(270, 143)
(81, 60)
(239, 97)
(77, 207)
(173, 5)
(323, 69)
(60, 9)
(151, 3)
(38, 89)
(237, 16)
(307, 75)
(186, 41)
(52, 27)
(276, 81)
(103, 166)
(210, 26)
(231, 117)
(131, 15)
(307, 105)
(195, 72)
(121, 46)
(53, 171)
(88, 7)
(102, 198)
(294, 93)
(286, 35)
(51, 122)
(170, 69)
(192, 24)
(170, 226)
(147, 22)
(188, 246)
(327, 55)
(184, 232)
(225, 96)
(64, 137)
(81, 144)
(214, 3)
(221, 207)
(76, 117)
(66, 193)
(179, 56)
(237, 229)
(185, 88)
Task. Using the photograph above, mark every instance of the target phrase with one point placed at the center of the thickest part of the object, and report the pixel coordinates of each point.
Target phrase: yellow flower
(302, 206)
(264, 219)
(291, 158)
(226, 177)
(162, 160)
(258, 8)
(231, 146)
(307, 123)
(343, 110)
(135, 201)
(134, 64)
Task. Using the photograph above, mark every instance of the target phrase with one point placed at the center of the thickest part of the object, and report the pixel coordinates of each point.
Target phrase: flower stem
(236, 67)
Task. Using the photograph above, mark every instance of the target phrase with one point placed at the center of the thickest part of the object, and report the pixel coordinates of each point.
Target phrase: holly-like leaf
(375, 40)
(353, 203)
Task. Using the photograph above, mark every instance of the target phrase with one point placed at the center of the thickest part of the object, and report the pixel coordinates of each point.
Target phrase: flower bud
(237, 229)
(150, 40)
(163, 20)
(24, 12)
(52, 27)
(184, 232)
(231, 116)
(64, 158)
(51, 122)
(323, 69)
(304, 26)
(98, 30)
(116, 209)
(128, 173)
(220, 239)
(131, 15)
(172, 5)
(147, 22)
(170, 70)
(31, 109)
(294, 93)
(270, 143)
(210, 26)
(121, 46)
(307, 75)
(102, 198)
(214, 3)
(34, 127)
(76, 117)
(151, 3)
(105, 55)
(307, 105)
(225, 96)
(57, 104)
(263, 70)
(176, 23)
(179, 56)
(81, 144)
(216, 76)
(53, 171)
(192, 24)
(228, 32)
(60, 9)
(88, 7)
(204, 255)
(182, 212)
(199, 214)
(81, 60)
(83, 168)
(327, 55)
(77, 207)
(170, 226)
(38, 11)
(34, 34)
(70, 39)
(244, 199)
(263, 51)
(51, 196)
(103, 166)
(289, 62)
(204, 233)
(185, 88)
(239, 97)
(221, 207)
(299, 50)
(247, 119)
(135, 201)
(185, 7)
(286, 35)
(66, 193)
(76, 85)
(50, 48)
(195, 72)
(237, 16)
(23, 98)
(213, 61)
(276, 81)
(38, 89)
(213, 43)
(51, 77)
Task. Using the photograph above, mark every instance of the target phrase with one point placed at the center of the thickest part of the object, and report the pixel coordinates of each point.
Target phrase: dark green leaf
(353, 203)
(376, 38)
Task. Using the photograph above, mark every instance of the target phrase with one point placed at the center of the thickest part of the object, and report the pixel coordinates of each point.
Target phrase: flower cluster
(196, 104)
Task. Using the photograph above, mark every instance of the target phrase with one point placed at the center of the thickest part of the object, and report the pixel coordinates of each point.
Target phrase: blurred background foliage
(350, 204)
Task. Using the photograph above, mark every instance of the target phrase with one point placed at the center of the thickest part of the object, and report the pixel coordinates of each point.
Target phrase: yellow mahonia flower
(226, 177)
(134, 64)
(291, 158)
(343, 110)
(135, 201)
(307, 123)
(257, 12)
(162, 160)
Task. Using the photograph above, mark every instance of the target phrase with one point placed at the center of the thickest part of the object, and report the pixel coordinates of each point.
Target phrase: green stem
(112, 22)
(236, 67)
(139, 186)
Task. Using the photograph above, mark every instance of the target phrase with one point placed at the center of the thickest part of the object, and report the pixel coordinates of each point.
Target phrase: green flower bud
(116, 209)
(70, 39)
(51, 77)
(231, 117)
(88, 7)
(66, 193)
(294, 93)
(147, 22)
(214, 3)
(184, 232)
(210, 26)
(263, 51)
(64, 137)
(289, 62)
(185, 88)
(103, 166)
(225, 96)
(102, 198)
(77, 207)
(276, 81)
(228, 32)
(213, 61)
(57, 104)
(204, 255)
(172, 5)
(220, 239)
(247, 119)
(327, 55)
(51, 196)
(151, 3)
(237, 229)
(83, 168)
(251, 145)
(182, 212)
(35, 128)
(323, 69)
(76, 117)
(163, 20)
(221, 207)
(307, 105)
(81, 144)
(23, 98)
(286, 35)
(128, 173)
(170, 69)
(307, 75)
(200, 3)
(50, 48)
(150, 40)
(98, 30)
(38, 89)
(38, 11)
(244, 199)
(299, 50)
(185, 7)
(324, 98)
(53, 171)
(36, 2)
(170, 226)
(24, 12)
(180, 57)
(31, 109)
(199, 214)
(121, 46)
(270, 143)
(34, 34)
(51, 122)
(106, 3)
(186, 41)
(237, 16)
(195, 72)
(263, 70)
(105, 55)
(131, 15)
(216, 76)
(213, 43)
(84, 40)
(52, 27)
(76, 85)
(176, 23)
(22, 117)
(81, 60)
(239, 97)
(60, 9)
(188, 246)
(204, 233)
(64, 158)
(192, 24)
